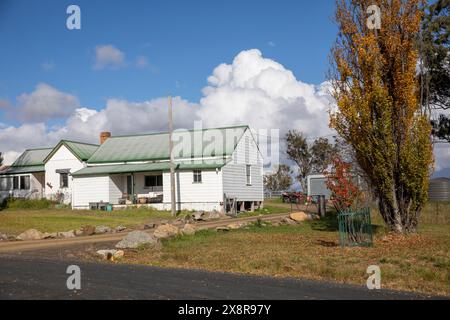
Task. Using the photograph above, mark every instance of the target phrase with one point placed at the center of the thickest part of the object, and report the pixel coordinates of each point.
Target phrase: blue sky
(182, 41)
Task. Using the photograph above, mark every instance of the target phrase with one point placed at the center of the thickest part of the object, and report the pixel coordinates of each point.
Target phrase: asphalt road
(40, 278)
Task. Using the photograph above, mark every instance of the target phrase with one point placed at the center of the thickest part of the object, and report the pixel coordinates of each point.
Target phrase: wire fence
(355, 228)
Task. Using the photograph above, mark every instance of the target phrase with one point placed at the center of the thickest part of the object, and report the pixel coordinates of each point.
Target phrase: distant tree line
(308, 158)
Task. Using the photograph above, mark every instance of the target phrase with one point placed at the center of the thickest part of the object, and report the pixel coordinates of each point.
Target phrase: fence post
(322, 206)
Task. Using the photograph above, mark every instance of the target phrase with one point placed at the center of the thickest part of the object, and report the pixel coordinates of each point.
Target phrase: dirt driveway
(15, 247)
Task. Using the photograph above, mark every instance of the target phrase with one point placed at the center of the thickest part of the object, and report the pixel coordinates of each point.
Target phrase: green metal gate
(355, 228)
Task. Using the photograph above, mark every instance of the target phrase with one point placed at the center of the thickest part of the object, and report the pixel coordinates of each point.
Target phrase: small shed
(317, 186)
(439, 189)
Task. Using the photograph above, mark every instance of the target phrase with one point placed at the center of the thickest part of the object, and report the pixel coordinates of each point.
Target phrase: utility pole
(172, 169)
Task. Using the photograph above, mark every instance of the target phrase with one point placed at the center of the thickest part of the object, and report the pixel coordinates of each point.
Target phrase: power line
(308, 138)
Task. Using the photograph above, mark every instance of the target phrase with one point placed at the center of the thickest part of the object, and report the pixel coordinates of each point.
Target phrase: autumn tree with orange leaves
(344, 191)
(378, 111)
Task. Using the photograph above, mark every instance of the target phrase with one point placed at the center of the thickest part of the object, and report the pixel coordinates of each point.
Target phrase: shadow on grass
(3, 204)
(324, 243)
(327, 223)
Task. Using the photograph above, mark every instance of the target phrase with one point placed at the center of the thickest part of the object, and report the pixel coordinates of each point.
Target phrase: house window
(197, 176)
(153, 181)
(248, 174)
(24, 182)
(64, 180)
(15, 183)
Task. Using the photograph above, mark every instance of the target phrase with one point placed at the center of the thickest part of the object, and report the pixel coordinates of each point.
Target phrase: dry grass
(15, 221)
(419, 262)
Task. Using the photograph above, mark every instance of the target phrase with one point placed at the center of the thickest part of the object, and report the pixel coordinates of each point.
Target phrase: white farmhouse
(45, 172)
(25, 178)
(64, 159)
(215, 169)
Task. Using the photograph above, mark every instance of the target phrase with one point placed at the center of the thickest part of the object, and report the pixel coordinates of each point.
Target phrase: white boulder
(30, 234)
(188, 229)
(66, 234)
(136, 238)
(166, 231)
(102, 229)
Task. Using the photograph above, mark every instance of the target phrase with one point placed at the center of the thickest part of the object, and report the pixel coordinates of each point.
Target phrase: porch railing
(154, 189)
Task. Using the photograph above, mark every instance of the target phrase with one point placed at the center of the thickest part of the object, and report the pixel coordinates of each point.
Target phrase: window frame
(24, 182)
(157, 179)
(197, 176)
(61, 180)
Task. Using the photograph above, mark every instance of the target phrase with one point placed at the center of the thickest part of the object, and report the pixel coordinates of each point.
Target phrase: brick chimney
(104, 135)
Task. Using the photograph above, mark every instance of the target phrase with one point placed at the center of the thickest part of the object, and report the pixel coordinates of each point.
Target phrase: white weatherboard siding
(116, 188)
(90, 189)
(235, 183)
(234, 172)
(206, 195)
(190, 206)
(62, 159)
(35, 191)
(189, 195)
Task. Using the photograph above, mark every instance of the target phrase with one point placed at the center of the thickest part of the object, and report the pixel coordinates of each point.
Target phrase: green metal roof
(149, 167)
(155, 146)
(20, 170)
(32, 157)
(81, 150)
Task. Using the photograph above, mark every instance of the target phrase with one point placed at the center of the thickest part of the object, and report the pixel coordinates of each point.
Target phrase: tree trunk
(392, 213)
(304, 185)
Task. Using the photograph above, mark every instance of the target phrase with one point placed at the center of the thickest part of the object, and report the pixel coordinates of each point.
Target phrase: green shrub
(13, 203)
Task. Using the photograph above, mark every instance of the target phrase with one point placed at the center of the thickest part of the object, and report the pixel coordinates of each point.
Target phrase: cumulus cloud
(13, 140)
(125, 117)
(44, 103)
(108, 56)
(84, 124)
(265, 95)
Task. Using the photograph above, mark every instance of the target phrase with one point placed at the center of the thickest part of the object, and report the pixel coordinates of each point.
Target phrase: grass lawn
(268, 209)
(15, 221)
(311, 250)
